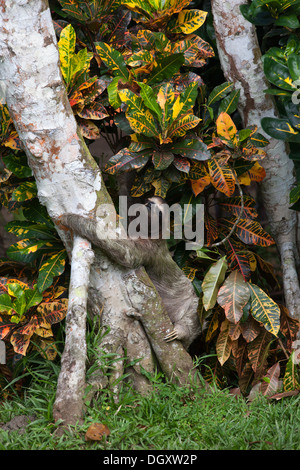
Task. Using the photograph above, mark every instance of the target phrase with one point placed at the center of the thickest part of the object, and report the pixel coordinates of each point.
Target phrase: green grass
(170, 418)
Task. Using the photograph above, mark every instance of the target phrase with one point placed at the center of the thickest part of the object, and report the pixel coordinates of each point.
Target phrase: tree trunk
(240, 58)
(69, 181)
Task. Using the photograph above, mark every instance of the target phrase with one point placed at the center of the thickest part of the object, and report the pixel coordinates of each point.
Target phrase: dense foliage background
(144, 77)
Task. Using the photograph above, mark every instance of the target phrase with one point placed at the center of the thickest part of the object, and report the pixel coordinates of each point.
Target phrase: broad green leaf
(140, 6)
(17, 165)
(51, 267)
(264, 309)
(189, 21)
(126, 160)
(229, 103)
(191, 148)
(24, 191)
(35, 212)
(212, 282)
(219, 93)
(295, 194)
(233, 296)
(165, 68)
(149, 98)
(140, 118)
(294, 66)
(280, 129)
(113, 59)
(28, 250)
(33, 297)
(19, 303)
(6, 304)
(288, 21)
(113, 93)
(23, 228)
(278, 74)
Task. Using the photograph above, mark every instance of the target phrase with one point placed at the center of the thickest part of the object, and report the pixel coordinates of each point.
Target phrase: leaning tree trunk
(240, 58)
(69, 181)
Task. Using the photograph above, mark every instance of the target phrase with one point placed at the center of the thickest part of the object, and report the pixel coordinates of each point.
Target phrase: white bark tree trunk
(240, 58)
(69, 181)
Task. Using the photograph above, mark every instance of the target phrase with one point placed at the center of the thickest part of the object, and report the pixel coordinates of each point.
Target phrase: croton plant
(134, 73)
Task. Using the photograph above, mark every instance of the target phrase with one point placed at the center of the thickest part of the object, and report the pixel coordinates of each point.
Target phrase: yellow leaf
(226, 129)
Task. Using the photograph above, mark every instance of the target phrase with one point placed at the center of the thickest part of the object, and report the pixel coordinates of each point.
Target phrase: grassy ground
(171, 418)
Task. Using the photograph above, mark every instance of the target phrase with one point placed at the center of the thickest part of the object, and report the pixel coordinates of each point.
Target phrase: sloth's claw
(171, 336)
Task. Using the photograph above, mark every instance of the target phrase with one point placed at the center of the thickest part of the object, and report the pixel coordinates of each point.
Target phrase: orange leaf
(222, 176)
(96, 431)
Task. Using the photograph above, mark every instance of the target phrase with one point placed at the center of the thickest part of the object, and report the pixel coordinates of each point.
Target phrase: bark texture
(69, 181)
(240, 58)
(71, 384)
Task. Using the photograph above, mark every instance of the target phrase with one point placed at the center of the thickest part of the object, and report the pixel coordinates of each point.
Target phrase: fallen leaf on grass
(96, 431)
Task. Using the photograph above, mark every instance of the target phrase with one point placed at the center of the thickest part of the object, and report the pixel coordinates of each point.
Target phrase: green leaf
(113, 59)
(288, 21)
(278, 74)
(295, 194)
(6, 304)
(19, 304)
(166, 67)
(294, 66)
(51, 267)
(219, 92)
(264, 309)
(280, 129)
(229, 104)
(212, 281)
(191, 148)
(126, 160)
(33, 297)
(35, 212)
(113, 93)
(149, 98)
(25, 229)
(139, 116)
(17, 165)
(24, 191)
(27, 250)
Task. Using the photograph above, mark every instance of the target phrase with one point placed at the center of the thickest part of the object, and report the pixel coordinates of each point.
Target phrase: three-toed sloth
(174, 288)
